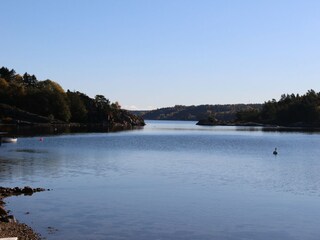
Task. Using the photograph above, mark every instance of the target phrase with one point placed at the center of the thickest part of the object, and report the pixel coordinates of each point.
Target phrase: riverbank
(9, 226)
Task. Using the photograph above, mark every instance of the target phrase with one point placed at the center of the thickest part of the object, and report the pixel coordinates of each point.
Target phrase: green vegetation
(291, 110)
(25, 99)
(225, 113)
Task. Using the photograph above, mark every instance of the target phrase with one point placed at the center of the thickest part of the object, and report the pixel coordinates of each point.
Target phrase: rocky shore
(9, 226)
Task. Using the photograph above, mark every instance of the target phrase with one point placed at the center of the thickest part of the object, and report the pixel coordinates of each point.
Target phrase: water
(171, 180)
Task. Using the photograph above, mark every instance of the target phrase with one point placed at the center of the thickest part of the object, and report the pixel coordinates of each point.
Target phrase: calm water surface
(170, 180)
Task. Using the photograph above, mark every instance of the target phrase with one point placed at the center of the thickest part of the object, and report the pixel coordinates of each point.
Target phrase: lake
(170, 180)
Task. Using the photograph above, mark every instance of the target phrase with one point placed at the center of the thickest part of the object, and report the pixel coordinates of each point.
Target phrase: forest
(25, 99)
(225, 113)
(291, 110)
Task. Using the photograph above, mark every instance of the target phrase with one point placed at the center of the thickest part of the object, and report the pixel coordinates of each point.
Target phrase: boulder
(3, 212)
(27, 190)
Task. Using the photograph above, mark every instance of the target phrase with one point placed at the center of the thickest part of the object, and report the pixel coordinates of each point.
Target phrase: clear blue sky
(157, 53)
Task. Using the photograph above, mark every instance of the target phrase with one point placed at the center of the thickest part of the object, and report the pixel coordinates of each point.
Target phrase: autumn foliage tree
(48, 99)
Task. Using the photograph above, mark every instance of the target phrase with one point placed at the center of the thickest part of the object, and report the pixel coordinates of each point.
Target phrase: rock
(3, 212)
(17, 190)
(27, 190)
(6, 192)
(208, 122)
(11, 219)
(38, 190)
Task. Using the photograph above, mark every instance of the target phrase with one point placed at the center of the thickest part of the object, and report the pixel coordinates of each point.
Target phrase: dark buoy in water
(275, 151)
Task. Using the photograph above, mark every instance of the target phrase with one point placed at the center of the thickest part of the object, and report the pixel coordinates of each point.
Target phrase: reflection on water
(45, 129)
(170, 180)
(30, 151)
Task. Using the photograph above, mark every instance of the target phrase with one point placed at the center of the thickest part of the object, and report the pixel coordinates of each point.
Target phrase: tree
(115, 105)
(77, 108)
(29, 80)
(7, 74)
(291, 110)
(48, 99)
(101, 101)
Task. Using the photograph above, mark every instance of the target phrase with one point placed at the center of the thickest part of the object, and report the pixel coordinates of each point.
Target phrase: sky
(149, 54)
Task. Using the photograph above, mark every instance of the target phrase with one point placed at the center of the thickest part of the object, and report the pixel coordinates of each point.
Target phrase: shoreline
(9, 226)
(264, 127)
(54, 129)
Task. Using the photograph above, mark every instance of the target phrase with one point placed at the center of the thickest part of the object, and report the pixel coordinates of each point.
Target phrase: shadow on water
(37, 130)
(264, 129)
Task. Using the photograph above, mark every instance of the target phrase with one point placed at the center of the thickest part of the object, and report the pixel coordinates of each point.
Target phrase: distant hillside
(195, 113)
(26, 100)
(292, 110)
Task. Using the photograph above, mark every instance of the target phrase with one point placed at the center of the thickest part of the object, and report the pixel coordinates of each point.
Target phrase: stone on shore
(9, 227)
(2, 211)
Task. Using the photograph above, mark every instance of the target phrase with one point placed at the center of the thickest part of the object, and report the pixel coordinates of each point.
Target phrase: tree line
(290, 110)
(47, 98)
(226, 112)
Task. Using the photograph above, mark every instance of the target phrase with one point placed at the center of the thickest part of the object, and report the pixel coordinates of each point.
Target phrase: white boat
(9, 140)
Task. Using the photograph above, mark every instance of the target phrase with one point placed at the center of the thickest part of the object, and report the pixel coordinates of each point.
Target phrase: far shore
(299, 127)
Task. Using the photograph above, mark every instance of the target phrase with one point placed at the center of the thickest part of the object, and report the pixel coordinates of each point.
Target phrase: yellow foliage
(18, 79)
(52, 86)
(3, 84)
